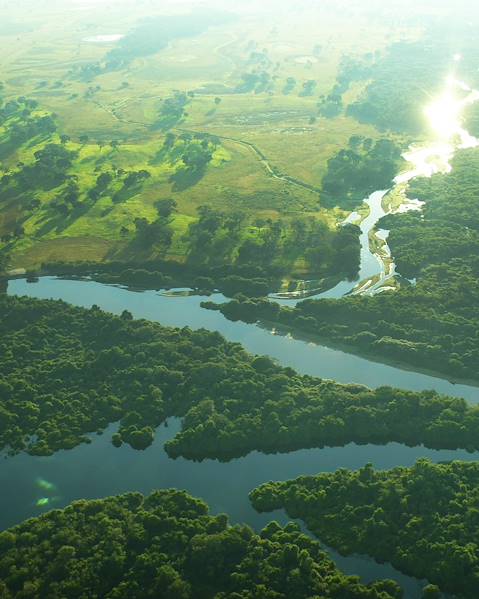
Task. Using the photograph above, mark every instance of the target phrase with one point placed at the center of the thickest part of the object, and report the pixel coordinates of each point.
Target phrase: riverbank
(306, 357)
(300, 334)
(372, 356)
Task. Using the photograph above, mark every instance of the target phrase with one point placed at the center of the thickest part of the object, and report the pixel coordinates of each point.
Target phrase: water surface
(99, 469)
(35, 484)
(180, 311)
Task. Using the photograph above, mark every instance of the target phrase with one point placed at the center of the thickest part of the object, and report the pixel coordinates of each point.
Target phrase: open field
(251, 87)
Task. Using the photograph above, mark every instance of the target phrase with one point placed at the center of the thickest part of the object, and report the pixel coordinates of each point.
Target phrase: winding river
(377, 268)
(98, 469)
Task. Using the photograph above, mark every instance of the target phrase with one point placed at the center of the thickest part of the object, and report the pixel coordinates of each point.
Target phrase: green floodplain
(218, 147)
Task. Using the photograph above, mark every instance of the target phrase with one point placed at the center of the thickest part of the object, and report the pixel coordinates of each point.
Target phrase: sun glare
(444, 115)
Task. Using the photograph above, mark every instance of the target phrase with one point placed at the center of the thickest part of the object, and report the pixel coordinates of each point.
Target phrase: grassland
(269, 129)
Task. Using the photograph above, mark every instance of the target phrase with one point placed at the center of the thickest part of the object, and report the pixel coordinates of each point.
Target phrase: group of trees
(261, 81)
(157, 235)
(308, 88)
(191, 153)
(22, 122)
(172, 111)
(49, 171)
(52, 171)
(422, 519)
(258, 81)
(218, 237)
(354, 173)
(16, 107)
(167, 545)
(230, 279)
(330, 105)
(289, 85)
(66, 372)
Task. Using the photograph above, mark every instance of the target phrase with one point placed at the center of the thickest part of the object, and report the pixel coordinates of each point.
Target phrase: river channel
(35, 484)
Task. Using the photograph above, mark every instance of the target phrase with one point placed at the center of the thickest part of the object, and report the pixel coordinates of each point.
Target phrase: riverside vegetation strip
(69, 371)
(422, 519)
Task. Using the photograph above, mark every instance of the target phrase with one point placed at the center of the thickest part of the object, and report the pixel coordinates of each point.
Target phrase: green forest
(167, 545)
(69, 371)
(422, 519)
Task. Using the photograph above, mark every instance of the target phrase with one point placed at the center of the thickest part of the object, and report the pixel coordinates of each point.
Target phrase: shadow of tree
(8, 147)
(59, 222)
(159, 156)
(186, 177)
(126, 193)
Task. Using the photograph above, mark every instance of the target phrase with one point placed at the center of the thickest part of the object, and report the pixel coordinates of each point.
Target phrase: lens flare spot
(43, 501)
(45, 484)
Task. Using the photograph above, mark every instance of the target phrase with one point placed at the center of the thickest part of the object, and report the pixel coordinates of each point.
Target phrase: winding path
(270, 169)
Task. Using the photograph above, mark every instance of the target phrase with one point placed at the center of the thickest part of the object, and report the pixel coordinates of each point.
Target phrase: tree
(4, 261)
(166, 207)
(431, 591)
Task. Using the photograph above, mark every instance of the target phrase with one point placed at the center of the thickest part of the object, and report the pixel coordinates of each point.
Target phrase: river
(377, 268)
(98, 469)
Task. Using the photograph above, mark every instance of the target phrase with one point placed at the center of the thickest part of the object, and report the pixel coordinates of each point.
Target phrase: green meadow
(246, 92)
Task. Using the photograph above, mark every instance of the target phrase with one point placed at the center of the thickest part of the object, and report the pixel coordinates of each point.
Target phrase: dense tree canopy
(68, 371)
(424, 519)
(448, 226)
(166, 545)
(397, 83)
(354, 173)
